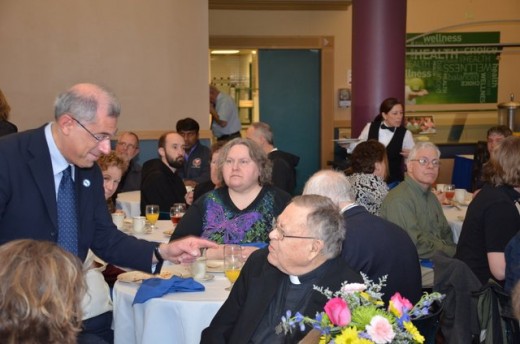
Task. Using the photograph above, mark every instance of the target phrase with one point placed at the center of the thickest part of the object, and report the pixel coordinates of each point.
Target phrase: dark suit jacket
(28, 204)
(284, 170)
(237, 319)
(378, 247)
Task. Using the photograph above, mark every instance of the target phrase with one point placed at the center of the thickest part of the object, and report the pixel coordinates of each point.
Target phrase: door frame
(326, 46)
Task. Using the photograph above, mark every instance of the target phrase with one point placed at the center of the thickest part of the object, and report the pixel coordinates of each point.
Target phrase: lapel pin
(86, 183)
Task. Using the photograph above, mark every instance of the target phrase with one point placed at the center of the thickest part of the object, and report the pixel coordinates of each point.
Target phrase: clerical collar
(294, 279)
(312, 275)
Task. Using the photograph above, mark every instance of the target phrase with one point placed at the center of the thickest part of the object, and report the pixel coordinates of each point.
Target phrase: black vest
(393, 151)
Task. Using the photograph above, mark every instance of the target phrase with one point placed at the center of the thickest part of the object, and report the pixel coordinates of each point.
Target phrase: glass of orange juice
(152, 214)
(233, 262)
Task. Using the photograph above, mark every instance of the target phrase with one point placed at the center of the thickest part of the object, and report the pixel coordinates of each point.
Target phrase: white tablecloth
(129, 202)
(157, 235)
(455, 219)
(173, 318)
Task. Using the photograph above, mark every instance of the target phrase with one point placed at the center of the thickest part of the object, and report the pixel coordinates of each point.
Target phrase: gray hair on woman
(324, 222)
(257, 155)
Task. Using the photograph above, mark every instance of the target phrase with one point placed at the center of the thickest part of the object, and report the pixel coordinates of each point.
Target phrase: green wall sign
(441, 74)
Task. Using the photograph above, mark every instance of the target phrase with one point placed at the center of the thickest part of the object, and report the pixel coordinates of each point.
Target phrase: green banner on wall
(452, 75)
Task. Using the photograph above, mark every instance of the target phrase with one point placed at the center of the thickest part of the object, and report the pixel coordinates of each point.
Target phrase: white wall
(152, 54)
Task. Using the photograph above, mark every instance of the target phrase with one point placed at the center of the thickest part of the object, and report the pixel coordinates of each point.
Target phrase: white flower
(380, 330)
(353, 288)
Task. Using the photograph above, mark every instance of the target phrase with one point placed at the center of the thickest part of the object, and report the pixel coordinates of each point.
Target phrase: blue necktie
(67, 214)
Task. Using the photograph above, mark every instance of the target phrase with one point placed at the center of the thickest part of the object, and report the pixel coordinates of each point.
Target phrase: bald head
(332, 184)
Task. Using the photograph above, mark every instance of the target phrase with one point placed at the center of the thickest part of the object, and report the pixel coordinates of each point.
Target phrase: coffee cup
(440, 187)
(118, 219)
(139, 224)
(460, 195)
(198, 268)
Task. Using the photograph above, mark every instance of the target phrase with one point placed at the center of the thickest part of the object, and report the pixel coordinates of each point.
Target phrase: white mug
(460, 195)
(118, 219)
(139, 223)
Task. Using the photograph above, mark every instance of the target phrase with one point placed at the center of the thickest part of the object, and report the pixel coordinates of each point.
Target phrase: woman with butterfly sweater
(242, 210)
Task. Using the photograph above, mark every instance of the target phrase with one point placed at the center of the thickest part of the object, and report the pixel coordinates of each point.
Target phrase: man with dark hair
(196, 157)
(161, 183)
(495, 135)
(284, 163)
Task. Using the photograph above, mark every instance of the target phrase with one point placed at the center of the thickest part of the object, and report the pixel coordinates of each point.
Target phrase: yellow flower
(349, 335)
(414, 332)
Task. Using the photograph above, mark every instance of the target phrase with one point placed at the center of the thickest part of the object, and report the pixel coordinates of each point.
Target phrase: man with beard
(160, 182)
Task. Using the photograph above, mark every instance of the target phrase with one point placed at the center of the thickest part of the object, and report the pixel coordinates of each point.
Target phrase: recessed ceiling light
(224, 52)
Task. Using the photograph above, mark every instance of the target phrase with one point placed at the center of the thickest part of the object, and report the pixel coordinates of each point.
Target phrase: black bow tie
(392, 129)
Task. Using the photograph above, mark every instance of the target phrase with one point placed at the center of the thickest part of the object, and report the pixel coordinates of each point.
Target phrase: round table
(173, 318)
(455, 217)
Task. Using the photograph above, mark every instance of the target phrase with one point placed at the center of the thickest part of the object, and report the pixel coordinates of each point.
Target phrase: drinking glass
(176, 212)
(152, 214)
(233, 262)
(449, 190)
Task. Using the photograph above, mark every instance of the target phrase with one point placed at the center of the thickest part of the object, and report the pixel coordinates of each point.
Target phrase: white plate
(207, 277)
(343, 141)
(215, 265)
(139, 276)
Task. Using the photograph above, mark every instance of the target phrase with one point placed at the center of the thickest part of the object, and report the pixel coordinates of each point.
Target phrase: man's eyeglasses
(98, 137)
(282, 235)
(425, 162)
(126, 145)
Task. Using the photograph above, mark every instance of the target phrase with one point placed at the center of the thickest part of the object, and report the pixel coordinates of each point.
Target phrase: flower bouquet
(356, 314)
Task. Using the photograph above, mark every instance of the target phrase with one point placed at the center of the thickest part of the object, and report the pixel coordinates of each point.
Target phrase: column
(378, 57)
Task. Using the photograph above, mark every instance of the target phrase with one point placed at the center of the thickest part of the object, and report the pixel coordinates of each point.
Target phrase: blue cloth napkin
(427, 263)
(157, 287)
(255, 244)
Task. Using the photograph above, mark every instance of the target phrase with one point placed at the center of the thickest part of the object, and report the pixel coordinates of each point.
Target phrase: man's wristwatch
(160, 259)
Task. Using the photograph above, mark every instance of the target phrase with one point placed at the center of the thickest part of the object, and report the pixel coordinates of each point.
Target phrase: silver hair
(422, 145)
(265, 130)
(84, 105)
(324, 222)
(331, 184)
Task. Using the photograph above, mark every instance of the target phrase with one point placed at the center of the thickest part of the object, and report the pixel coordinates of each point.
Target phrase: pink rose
(401, 304)
(380, 330)
(338, 312)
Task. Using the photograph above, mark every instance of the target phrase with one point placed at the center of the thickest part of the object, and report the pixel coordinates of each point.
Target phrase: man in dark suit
(372, 245)
(303, 251)
(32, 164)
(284, 163)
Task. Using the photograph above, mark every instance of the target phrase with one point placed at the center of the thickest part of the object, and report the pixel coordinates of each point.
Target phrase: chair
(429, 325)
(497, 322)
(452, 277)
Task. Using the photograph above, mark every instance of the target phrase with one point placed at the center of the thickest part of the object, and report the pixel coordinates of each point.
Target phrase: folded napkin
(427, 263)
(157, 287)
(255, 244)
